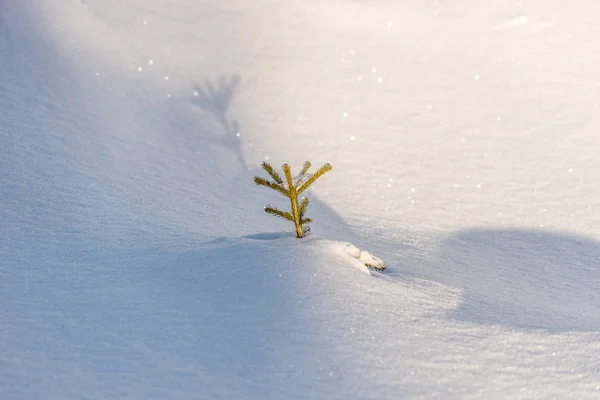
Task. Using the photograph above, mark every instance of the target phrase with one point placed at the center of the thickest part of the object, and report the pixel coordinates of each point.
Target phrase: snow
(346, 251)
(360, 258)
(300, 179)
(135, 257)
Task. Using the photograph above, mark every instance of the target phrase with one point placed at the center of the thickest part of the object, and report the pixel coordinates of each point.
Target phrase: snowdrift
(136, 260)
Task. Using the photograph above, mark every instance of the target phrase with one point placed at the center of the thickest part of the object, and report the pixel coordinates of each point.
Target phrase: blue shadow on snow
(524, 279)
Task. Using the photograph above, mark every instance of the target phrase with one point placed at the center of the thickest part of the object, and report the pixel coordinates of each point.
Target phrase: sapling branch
(313, 179)
(274, 186)
(303, 206)
(279, 213)
(267, 167)
(305, 167)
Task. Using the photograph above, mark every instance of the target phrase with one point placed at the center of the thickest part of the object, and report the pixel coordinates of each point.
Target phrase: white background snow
(136, 261)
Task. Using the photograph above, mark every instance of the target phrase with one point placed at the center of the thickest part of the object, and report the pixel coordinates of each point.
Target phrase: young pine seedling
(291, 188)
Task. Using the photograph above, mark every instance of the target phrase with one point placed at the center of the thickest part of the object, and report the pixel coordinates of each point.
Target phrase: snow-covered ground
(136, 261)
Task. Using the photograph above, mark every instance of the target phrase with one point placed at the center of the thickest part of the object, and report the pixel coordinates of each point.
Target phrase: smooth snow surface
(136, 261)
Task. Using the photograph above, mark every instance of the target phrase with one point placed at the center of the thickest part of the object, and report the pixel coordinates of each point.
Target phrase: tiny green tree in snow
(291, 188)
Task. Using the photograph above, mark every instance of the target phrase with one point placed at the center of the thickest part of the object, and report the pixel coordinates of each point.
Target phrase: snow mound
(464, 139)
(225, 318)
(359, 259)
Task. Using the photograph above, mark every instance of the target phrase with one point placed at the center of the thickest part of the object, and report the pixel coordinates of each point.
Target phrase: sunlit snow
(136, 261)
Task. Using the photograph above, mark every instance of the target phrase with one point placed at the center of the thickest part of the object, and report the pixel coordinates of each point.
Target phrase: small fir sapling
(291, 188)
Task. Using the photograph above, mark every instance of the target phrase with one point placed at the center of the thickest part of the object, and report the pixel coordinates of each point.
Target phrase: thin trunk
(296, 212)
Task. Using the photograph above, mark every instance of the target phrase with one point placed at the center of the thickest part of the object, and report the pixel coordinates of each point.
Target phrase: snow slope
(136, 261)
